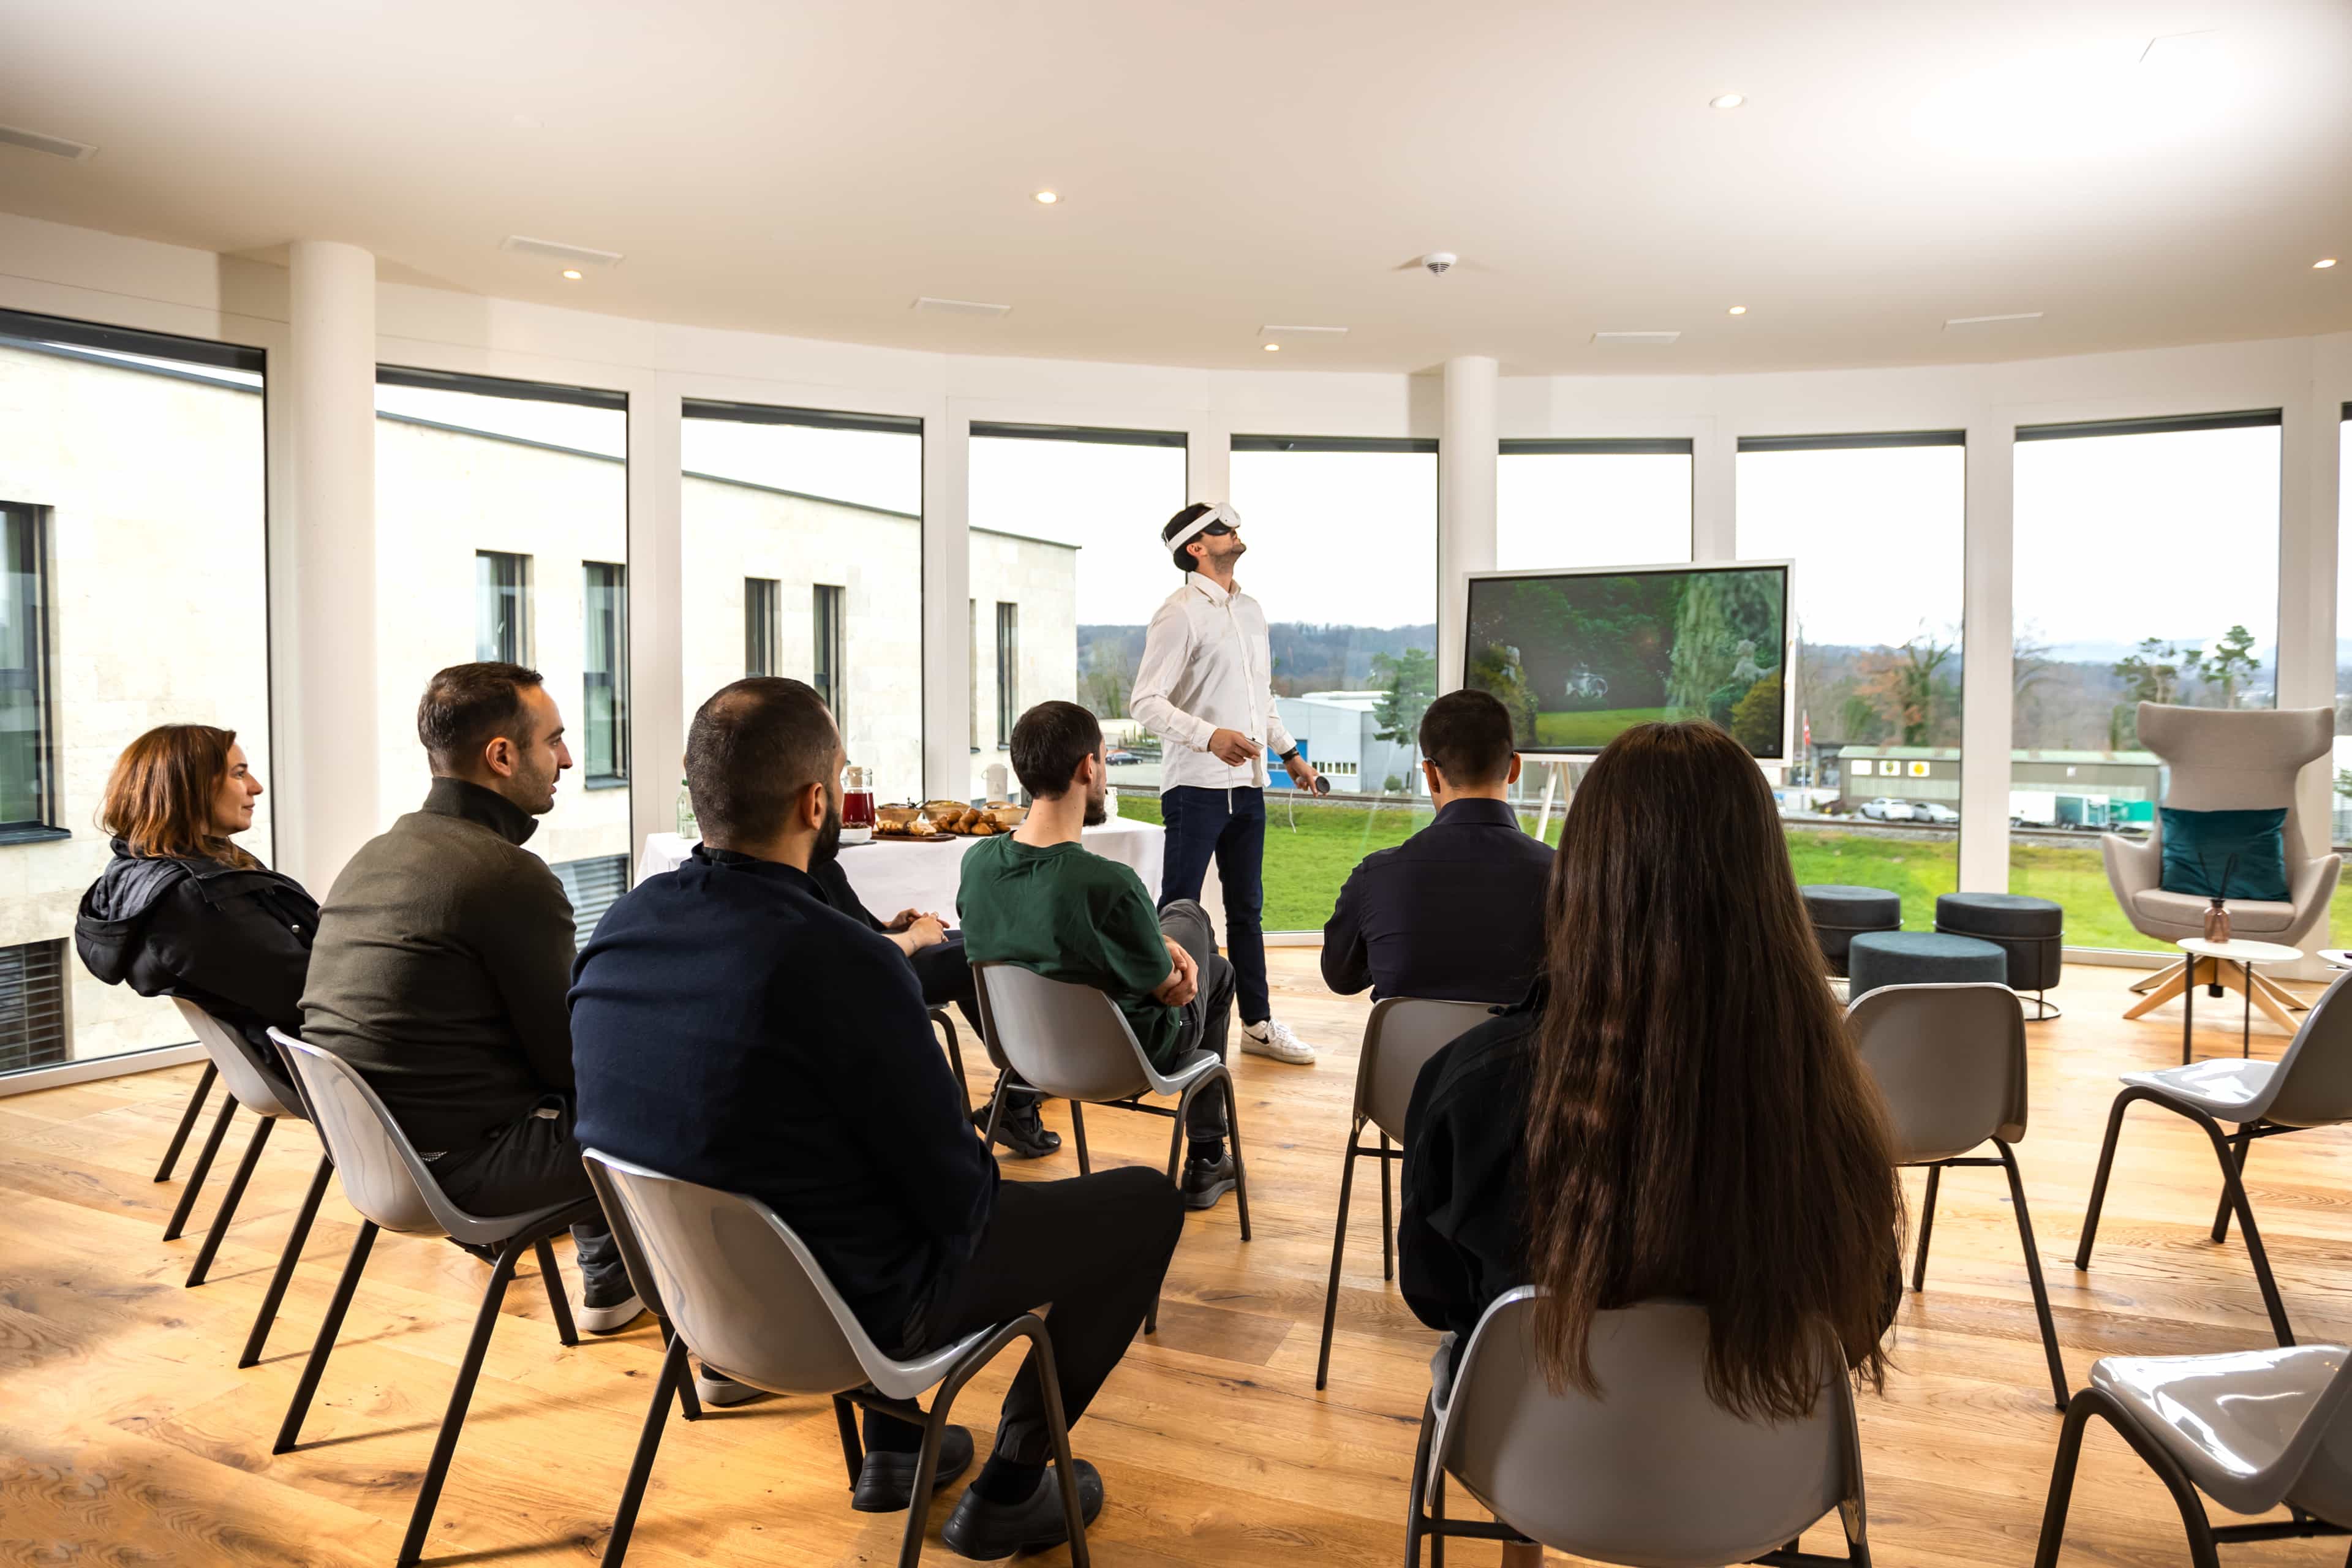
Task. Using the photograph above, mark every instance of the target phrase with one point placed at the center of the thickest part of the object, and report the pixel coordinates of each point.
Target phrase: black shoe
(476, 1249)
(1205, 1181)
(1023, 1133)
(886, 1483)
(985, 1531)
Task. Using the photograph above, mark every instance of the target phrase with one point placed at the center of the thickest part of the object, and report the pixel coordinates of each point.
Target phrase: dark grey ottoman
(1876, 959)
(2032, 931)
(1841, 912)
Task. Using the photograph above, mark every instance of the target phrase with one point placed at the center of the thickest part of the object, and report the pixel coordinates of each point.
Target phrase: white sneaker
(719, 1392)
(1274, 1039)
(608, 1317)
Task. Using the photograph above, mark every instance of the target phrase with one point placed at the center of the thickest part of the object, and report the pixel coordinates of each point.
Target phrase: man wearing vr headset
(1205, 687)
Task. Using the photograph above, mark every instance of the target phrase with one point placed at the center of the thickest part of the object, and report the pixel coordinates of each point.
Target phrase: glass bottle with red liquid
(858, 806)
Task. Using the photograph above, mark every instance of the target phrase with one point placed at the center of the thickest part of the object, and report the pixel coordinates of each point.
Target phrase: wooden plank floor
(128, 1435)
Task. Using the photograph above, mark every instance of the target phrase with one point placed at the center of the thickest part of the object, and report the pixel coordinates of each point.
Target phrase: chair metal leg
(1176, 1125)
(436, 1470)
(558, 1302)
(995, 1114)
(286, 1262)
(1927, 1228)
(2234, 1192)
(1436, 1513)
(2087, 1403)
(1339, 1251)
(229, 1200)
(202, 1168)
(1412, 1525)
(1234, 1137)
(187, 1120)
(2099, 1182)
(1078, 1127)
(689, 1404)
(2034, 1272)
(852, 1450)
(1387, 1214)
(641, 1464)
(955, 1054)
(1031, 1327)
(290, 1429)
(2240, 1147)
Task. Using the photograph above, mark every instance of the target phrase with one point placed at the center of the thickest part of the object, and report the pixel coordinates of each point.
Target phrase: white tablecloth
(894, 874)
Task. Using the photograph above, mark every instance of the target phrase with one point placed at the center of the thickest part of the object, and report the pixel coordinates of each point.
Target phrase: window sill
(33, 832)
(607, 783)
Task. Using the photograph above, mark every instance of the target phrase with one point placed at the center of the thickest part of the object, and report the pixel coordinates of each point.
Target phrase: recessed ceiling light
(1739, 309)
(1273, 348)
(2323, 263)
(1047, 197)
(572, 273)
(1728, 101)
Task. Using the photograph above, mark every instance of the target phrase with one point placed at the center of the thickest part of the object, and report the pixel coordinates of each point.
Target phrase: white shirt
(1208, 666)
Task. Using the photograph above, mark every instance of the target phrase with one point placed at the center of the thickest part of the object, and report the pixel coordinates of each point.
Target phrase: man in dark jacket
(730, 1027)
(234, 940)
(1456, 913)
(442, 960)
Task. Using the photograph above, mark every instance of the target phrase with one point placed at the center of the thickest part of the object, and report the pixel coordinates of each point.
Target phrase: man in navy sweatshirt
(730, 1027)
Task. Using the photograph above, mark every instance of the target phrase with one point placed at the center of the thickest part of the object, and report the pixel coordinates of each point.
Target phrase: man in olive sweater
(442, 956)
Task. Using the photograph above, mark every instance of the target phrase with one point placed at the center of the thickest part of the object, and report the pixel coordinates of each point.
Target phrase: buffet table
(894, 874)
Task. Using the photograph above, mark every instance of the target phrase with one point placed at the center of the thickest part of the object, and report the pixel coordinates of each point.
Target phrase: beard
(1097, 810)
(829, 838)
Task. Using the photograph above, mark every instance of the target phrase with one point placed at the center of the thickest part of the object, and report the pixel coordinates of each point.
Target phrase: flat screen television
(1581, 656)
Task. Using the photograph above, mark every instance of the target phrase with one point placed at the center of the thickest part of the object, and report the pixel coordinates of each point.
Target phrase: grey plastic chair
(2253, 1430)
(2309, 1086)
(753, 1302)
(1071, 1042)
(390, 1185)
(1949, 1061)
(267, 1093)
(1654, 1474)
(1400, 1038)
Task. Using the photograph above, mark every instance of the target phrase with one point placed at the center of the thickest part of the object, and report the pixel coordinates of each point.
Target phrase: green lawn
(1594, 726)
(1311, 847)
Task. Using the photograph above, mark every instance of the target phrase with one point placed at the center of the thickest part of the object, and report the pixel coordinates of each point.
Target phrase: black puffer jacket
(236, 942)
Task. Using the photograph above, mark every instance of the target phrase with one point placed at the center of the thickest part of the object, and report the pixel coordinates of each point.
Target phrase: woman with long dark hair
(181, 909)
(1676, 1109)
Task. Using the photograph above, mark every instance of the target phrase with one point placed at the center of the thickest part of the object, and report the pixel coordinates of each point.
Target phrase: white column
(323, 407)
(947, 597)
(1208, 460)
(1986, 695)
(657, 700)
(1715, 469)
(2307, 624)
(1466, 457)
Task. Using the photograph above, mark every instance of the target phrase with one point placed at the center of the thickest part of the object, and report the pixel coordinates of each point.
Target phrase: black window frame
(829, 646)
(1008, 670)
(516, 649)
(31, 570)
(604, 693)
(763, 612)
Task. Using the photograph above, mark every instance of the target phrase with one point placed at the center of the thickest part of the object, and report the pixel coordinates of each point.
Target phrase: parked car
(1887, 809)
(1118, 754)
(1935, 811)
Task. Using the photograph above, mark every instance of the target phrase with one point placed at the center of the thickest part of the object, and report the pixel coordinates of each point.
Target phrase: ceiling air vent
(1991, 320)
(54, 146)
(1301, 334)
(932, 307)
(577, 255)
(1657, 339)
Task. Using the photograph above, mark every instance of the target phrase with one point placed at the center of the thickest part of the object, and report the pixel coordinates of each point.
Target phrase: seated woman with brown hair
(181, 910)
(1676, 1109)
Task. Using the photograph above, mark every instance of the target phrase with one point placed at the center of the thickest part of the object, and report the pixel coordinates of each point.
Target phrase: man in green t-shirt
(1038, 897)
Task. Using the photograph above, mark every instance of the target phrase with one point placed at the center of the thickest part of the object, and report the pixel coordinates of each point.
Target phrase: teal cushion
(2202, 848)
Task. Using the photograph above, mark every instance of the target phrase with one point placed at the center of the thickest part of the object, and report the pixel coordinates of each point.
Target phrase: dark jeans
(1228, 826)
(530, 1164)
(1097, 1247)
(1208, 1016)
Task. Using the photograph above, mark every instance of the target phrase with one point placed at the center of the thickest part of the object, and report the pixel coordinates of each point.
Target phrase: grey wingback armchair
(2226, 760)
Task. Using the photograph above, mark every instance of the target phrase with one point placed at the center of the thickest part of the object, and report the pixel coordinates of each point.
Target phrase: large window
(816, 518)
(1342, 538)
(1067, 569)
(2147, 569)
(24, 742)
(133, 592)
(1876, 525)
(1591, 503)
(500, 483)
(763, 611)
(501, 606)
(604, 672)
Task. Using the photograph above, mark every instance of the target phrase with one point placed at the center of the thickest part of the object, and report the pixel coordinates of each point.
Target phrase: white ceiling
(812, 168)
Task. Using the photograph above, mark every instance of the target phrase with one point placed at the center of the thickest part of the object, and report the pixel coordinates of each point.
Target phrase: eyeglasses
(1219, 530)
